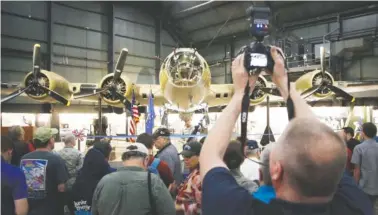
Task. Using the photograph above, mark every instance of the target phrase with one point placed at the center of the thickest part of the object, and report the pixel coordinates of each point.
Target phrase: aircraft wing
(355, 89)
(358, 89)
(142, 93)
(219, 94)
(83, 89)
(8, 88)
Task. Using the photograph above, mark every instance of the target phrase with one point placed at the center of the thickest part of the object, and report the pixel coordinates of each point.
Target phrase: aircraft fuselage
(184, 98)
(185, 79)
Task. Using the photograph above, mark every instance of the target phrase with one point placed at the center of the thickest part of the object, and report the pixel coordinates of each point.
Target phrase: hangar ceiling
(195, 22)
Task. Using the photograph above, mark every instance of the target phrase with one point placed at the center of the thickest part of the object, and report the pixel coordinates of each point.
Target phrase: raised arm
(280, 78)
(219, 136)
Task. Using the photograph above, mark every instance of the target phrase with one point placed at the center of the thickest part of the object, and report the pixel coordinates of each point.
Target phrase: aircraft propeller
(112, 87)
(271, 91)
(325, 83)
(35, 84)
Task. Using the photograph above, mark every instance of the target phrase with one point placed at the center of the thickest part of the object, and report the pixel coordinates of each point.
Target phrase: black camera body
(257, 55)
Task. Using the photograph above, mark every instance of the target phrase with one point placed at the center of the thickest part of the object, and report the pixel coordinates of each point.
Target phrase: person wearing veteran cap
(132, 189)
(168, 152)
(233, 158)
(45, 174)
(249, 168)
(188, 199)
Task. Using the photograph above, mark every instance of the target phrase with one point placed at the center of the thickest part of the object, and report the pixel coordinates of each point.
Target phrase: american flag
(134, 119)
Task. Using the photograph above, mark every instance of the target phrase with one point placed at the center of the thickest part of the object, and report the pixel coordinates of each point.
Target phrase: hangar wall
(78, 38)
(357, 65)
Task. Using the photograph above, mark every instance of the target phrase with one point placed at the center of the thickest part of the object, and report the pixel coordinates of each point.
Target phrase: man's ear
(146, 160)
(276, 171)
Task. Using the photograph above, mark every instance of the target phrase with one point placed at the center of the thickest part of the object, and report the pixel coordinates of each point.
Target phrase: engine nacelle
(49, 80)
(185, 67)
(310, 79)
(124, 85)
(258, 95)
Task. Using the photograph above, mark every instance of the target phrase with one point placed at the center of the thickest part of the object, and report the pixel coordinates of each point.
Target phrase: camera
(257, 55)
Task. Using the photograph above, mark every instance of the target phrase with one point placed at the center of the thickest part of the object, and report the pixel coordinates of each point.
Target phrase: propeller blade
(124, 100)
(271, 91)
(56, 96)
(207, 119)
(36, 60)
(164, 119)
(310, 91)
(15, 94)
(120, 64)
(9, 85)
(95, 92)
(341, 93)
(322, 59)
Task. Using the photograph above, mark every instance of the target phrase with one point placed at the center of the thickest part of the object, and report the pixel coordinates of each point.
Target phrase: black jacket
(19, 149)
(352, 143)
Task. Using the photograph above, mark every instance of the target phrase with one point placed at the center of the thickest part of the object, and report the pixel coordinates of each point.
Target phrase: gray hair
(252, 152)
(69, 138)
(313, 157)
(264, 159)
(16, 132)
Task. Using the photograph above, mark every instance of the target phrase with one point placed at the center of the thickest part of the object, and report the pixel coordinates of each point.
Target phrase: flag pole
(127, 124)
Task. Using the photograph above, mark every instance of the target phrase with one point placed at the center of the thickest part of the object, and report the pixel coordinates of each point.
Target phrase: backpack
(153, 168)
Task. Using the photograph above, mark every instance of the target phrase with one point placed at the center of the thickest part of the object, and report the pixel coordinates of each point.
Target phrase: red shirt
(164, 171)
(189, 195)
(31, 147)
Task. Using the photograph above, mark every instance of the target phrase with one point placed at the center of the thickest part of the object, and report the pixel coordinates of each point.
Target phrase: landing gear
(164, 117)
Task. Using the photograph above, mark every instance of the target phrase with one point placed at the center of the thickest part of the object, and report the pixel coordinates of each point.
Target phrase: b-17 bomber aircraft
(185, 85)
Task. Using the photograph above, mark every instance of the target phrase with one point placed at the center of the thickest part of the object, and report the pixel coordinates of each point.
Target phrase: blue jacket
(346, 188)
(265, 194)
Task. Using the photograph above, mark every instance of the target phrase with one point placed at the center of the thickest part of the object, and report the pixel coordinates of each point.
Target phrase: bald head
(311, 156)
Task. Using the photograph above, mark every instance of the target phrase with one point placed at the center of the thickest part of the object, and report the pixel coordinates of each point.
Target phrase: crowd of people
(310, 169)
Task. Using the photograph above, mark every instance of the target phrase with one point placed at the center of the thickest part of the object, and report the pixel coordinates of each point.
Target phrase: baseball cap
(137, 147)
(161, 132)
(44, 134)
(192, 148)
(252, 144)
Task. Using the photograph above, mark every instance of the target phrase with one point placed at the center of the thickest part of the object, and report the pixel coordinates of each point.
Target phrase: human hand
(172, 187)
(240, 76)
(279, 75)
(178, 207)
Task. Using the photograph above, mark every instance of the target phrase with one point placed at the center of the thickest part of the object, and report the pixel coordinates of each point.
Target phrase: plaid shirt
(189, 195)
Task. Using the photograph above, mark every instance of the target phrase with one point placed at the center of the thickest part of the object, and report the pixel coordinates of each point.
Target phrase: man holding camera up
(306, 164)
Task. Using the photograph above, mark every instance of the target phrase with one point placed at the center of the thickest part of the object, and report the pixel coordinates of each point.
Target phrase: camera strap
(244, 115)
(289, 103)
(244, 120)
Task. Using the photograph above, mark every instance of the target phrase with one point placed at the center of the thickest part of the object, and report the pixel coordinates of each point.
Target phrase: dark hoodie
(94, 168)
(20, 149)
